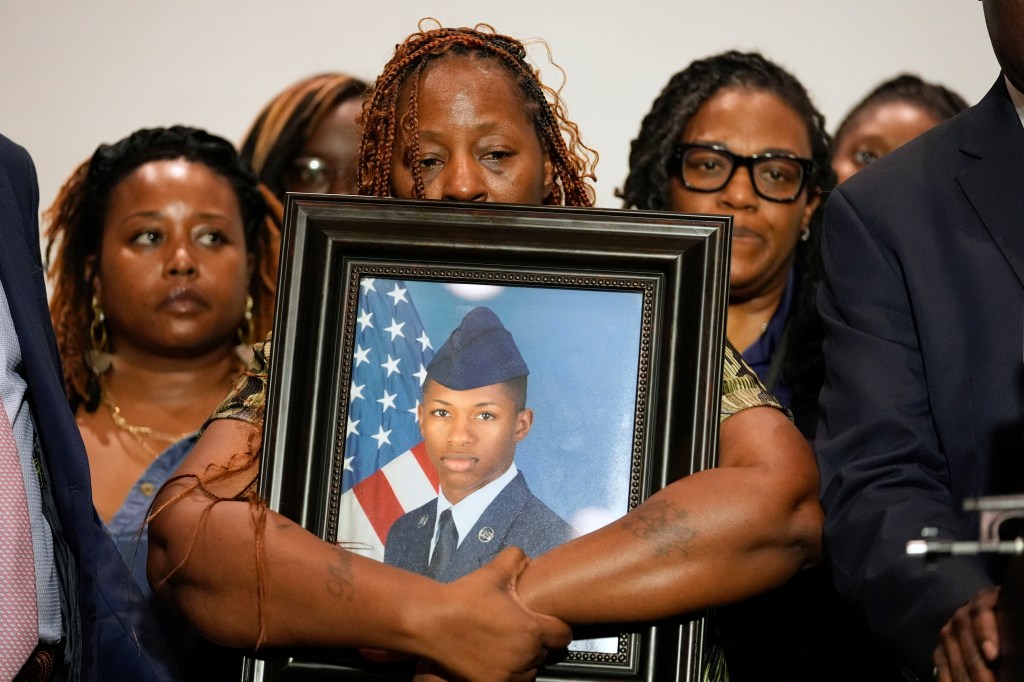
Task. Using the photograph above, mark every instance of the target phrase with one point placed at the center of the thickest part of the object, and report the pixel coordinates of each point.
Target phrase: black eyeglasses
(709, 168)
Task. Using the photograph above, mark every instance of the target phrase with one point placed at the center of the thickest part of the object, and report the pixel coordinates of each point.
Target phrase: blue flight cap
(480, 352)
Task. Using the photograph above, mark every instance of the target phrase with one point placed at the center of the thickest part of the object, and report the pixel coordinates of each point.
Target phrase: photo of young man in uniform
(472, 416)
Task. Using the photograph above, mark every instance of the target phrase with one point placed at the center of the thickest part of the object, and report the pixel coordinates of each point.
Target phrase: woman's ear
(813, 199)
(549, 176)
(92, 276)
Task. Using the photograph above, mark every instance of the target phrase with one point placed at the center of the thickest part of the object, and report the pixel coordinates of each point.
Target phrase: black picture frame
(678, 264)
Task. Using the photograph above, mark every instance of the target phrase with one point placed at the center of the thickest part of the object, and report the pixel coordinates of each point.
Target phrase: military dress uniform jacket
(516, 518)
(109, 631)
(923, 402)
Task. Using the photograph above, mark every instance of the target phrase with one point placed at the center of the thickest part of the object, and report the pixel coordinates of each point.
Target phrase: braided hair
(936, 100)
(75, 225)
(285, 124)
(648, 183)
(572, 161)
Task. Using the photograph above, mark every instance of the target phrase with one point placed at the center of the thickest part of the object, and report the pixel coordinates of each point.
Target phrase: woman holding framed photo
(459, 114)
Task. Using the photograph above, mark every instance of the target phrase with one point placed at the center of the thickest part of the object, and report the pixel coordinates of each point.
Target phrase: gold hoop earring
(98, 327)
(247, 331)
(98, 357)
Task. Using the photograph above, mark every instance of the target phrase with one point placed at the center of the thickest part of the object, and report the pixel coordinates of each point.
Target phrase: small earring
(246, 331)
(806, 234)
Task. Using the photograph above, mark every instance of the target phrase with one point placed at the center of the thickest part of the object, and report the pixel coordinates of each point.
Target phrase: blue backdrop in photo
(582, 348)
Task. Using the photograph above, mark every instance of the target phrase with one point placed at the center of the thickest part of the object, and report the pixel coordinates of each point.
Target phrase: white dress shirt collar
(1018, 98)
(467, 512)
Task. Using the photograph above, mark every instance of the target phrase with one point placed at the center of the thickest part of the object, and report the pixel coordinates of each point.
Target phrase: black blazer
(110, 630)
(923, 403)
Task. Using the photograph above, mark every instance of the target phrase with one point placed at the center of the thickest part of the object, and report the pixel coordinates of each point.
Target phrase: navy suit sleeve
(113, 636)
(22, 176)
(884, 475)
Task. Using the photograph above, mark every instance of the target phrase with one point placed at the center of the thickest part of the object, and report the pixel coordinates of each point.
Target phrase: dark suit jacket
(109, 628)
(516, 518)
(923, 306)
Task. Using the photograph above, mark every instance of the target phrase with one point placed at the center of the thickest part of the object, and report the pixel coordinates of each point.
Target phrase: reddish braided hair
(572, 161)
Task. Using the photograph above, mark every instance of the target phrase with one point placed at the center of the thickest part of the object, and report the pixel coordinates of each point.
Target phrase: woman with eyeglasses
(306, 139)
(736, 134)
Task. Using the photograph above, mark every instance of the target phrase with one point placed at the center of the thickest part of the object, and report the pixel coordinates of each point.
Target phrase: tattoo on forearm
(339, 567)
(662, 524)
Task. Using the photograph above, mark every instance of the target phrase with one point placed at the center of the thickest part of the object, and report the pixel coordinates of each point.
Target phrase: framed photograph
(390, 312)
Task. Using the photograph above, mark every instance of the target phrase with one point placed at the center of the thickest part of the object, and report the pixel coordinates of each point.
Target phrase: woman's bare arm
(711, 538)
(203, 559)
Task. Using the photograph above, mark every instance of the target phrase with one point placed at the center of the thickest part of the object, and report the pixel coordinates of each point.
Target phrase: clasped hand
(483, 631)
(969, 642)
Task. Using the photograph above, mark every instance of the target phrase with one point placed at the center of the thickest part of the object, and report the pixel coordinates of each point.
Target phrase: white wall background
(75, 73)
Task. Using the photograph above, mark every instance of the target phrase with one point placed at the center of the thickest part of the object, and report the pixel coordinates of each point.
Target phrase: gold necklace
(139, 433)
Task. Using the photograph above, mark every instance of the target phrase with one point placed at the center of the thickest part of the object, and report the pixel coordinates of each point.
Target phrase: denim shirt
(127, 523)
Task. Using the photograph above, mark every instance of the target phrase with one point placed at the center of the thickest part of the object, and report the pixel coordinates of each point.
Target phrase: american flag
(387, 472)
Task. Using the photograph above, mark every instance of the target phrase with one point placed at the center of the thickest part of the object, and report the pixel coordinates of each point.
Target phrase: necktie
(444, 548)
(19, 627)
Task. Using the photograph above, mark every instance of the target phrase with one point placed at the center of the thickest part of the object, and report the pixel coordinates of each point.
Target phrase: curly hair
(75, 224)
(573, 162)
(647, 185)
(286, 122)
(936, 100)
